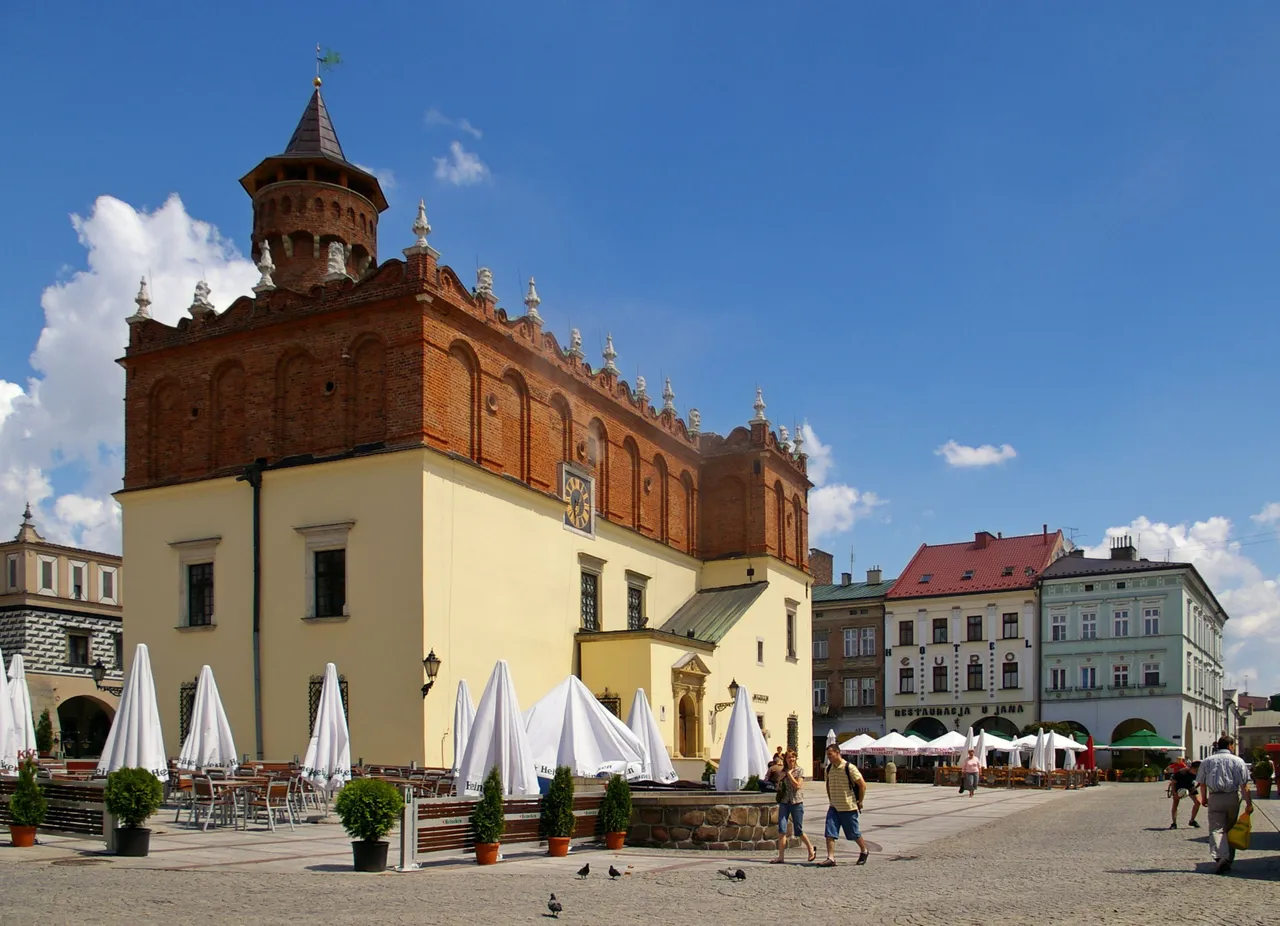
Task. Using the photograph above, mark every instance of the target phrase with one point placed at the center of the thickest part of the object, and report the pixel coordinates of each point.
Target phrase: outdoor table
(240, 788)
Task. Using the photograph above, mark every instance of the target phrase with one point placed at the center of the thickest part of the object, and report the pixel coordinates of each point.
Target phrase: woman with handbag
(791, 808)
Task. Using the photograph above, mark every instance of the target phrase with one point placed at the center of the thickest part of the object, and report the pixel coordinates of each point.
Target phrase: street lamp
(733, 695)
(432, 665)
(99, 672)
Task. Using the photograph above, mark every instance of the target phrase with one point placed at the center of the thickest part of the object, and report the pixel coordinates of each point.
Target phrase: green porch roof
(711, 613)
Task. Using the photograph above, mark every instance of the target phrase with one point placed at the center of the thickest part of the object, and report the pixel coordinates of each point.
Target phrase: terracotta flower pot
(614, 841)
(487, 853)
(1264, 788)
(22, 837)
(557, 846)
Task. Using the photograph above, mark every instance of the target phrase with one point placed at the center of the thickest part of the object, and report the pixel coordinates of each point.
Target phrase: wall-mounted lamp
(733, 696)
(99, 672)
(432, 665)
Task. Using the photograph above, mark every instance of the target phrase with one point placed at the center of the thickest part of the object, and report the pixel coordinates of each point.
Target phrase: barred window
(199, 594)
(590, 601)
(635, 608)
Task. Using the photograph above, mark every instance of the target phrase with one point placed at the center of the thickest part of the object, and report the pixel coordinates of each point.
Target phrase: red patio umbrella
(1090, 761)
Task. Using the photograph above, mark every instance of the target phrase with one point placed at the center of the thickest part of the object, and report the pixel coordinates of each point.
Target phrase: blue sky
(1037, 225)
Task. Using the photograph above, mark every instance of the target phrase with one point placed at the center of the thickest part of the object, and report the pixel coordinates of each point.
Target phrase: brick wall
(821, 564)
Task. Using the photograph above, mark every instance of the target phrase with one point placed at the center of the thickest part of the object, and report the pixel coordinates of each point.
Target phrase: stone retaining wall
(703, 820)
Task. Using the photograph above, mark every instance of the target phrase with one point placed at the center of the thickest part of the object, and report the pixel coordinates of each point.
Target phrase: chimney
(874, 576)
(999, 535)
(1123, 548)
(846, 578)
(982, 539)
(820, 565)
(1046, 535)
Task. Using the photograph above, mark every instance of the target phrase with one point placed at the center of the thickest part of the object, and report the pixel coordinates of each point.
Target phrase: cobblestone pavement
(1100, 855)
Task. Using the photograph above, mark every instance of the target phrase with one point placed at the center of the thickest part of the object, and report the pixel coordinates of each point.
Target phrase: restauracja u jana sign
(958, 711)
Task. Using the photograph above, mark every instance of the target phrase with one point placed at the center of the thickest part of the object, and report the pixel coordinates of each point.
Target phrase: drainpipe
(253, 475)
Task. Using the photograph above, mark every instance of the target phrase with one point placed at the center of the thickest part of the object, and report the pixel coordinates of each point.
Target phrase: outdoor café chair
(274, 800)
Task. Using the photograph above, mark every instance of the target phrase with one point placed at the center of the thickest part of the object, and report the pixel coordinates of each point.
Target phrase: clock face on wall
(578, 491)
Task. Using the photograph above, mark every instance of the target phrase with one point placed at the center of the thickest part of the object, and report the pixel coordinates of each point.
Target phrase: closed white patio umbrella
(498, 739)
(570, 726)
(328, 760)
(24, 726)
(464, 714)
(209, 743)
(744, 753)
(8, 737)
(657, 764)
(136, 740)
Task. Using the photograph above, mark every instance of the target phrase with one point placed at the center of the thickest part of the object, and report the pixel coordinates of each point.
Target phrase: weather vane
(326, 60)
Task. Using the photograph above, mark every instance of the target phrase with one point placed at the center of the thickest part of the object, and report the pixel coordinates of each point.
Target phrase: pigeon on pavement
(554, 906)
(732, 875)
(584, 870)
(614, 873)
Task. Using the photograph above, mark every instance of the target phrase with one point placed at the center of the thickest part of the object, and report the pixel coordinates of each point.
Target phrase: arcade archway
(997, 724)
(85, 723)
(929, 727)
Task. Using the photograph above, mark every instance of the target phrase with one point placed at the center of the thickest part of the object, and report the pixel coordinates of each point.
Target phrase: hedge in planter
(369, 808)
(44, 733)
(615, 812)
(132, 795)
(488, 818)
(27, 807)
(557, 812)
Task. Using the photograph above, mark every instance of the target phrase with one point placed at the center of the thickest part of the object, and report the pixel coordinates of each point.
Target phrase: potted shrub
(557, 812)
(132, 795)
(1263, 772)
(753, 783)
(27, 807)
(369, 808)
(615, 812)
(488, 819)
(44, 733)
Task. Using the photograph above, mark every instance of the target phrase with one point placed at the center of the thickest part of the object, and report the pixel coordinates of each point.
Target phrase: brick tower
(309, 198)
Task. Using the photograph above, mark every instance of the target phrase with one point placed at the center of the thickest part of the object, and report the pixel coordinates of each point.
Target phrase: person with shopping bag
(1224, 782)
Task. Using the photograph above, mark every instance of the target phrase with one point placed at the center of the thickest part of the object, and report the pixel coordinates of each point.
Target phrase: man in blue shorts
(845, 790)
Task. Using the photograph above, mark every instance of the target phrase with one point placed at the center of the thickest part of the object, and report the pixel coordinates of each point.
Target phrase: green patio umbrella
(1143, 739)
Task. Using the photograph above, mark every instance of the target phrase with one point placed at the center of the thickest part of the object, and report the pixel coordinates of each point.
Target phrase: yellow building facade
(386, 465)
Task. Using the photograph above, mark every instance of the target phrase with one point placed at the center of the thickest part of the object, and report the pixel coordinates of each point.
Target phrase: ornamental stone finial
(575, 345)
(668, 397)
(531, 302)
(201, 307)
(695, 422)
(143, 300)
(642, 388)
(484, 284)
(759, 405)
(421, 227)
(799, 439)
(266, 267)
(610, 355)
(26, 516)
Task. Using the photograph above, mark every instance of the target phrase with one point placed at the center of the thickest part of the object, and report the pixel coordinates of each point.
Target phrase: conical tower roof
(314, 135)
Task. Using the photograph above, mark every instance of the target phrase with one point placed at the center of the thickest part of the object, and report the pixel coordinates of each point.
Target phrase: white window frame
(868, 691)
(1116, 618)
(1152, 667)
(1057, 678)
(820, 688)
(193, 553)
(12, 572)
(1148, 616)
(1017, 675)
(1116, 671)
(1089, 678)
(114, 572)
(1057, 622)
(865, 648)
(850, 691)
(820, 644)
(72, 566)
(1088, 625)
(319, 538)
(911, 678)
(41, 560)
(849, 637)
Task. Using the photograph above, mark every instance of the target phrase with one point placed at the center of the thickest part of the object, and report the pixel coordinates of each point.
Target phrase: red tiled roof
(988, 557)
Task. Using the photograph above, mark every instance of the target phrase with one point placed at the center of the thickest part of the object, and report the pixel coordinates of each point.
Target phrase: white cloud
(1270, 514)
(386, 176)
(833, 508)
(461, 168)
(1251, 597)
(986, 455)
(435, 117)
(61, 435)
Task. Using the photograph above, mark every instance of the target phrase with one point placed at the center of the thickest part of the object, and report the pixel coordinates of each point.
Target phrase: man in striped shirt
(1224, 782)
(845, 787)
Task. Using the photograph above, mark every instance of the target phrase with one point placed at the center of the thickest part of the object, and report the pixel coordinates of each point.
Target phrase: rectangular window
(968, 576)
(820, 644)
(1057, 627)
(1089, 677)
(78, 589)
(1006, 571)
(906, 633)
(939, 630)
(1121, 623)
(117, 644)
(78, 649)
(590, 600)
(1120, 676)
(1151, 621)
(759, 652)
(331, 583)
(1088, 626)
(13, 572)
(1010, 676)
(791, 634)
(635, 608)
(868, 642)
(850, 642)
(973, 628)
(1010, 624)
(819, 692)
(199, 594)
(48, 575)
(868, 692)
(974, 676)
(939, 678)
(906, 681)
(1151, 673)
(850, 692)
(107, 592)
(1057, 679)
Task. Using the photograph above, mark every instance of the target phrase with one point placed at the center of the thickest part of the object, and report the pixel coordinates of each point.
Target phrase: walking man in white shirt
(1224, 782)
